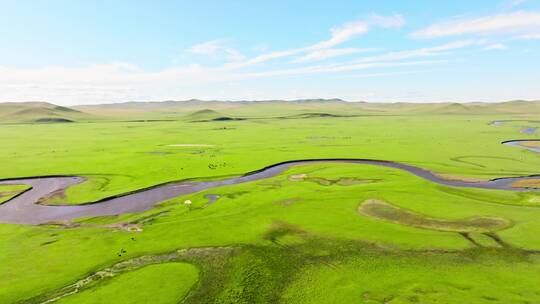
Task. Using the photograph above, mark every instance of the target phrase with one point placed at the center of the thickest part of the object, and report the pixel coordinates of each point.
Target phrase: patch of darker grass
(208, 260)
(261, 273)
(384, 211)
(233, 195)
(280, 229)
(341, 181)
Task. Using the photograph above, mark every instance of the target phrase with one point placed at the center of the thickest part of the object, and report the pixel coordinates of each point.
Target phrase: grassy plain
(161, 283)
(294, 238)
(7, 192)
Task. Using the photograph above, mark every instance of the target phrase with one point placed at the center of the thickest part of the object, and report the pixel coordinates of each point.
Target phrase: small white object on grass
(187, 202)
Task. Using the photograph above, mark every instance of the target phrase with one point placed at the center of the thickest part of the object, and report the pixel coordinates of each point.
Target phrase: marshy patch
(341, 181)
(382, 210)
(212, 198)
(533, 183)
(529, 130)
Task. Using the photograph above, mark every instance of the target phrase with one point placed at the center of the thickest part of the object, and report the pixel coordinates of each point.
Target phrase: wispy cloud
(215, 48)
(329, 53)
(515, 22)
(335, 68)
(386, 60)
(423, 52)
(338, 36)
(496, 46)
(532, 36)
(342, 34)
(124, 81)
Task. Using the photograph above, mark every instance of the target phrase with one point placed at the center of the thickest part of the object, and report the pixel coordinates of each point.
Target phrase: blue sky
(82, 52)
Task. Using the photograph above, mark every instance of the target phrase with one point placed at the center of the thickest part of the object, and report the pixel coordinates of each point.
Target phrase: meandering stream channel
(24, 208)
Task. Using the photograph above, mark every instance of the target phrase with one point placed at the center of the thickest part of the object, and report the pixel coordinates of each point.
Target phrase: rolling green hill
(40, 112)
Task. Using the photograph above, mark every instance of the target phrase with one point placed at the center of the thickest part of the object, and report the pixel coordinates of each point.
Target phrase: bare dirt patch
(129, 227)
(464, 179)
(297, 177)
(384, 211)
(530, 144)
(527, 184)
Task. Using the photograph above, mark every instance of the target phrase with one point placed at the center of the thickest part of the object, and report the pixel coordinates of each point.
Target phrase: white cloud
(121, 82)
(520, 22)
(215, 48)
(338, 35)
(124, 81)
(335, 68)
(342, 34)
(328, 53)
(206, 48)
(532, 36)
(496, 46)
(423, 52)
(387, 60)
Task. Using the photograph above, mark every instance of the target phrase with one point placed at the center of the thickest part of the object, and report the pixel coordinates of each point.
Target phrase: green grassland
(161, 283)
(298, 237)
(7, 192)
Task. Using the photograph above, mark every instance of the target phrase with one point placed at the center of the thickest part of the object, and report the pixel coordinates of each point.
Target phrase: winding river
(24, 209)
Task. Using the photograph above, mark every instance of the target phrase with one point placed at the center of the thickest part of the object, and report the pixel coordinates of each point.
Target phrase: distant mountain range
(202, 110)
